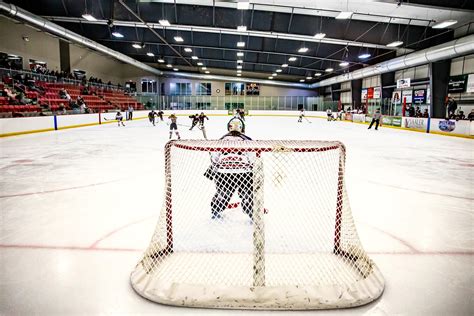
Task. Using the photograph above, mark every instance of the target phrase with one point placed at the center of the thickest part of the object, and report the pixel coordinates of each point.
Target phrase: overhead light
(188, 50)
(239, 67)
(344, 64)
(344, 15)
(240, 54)
(117, 35)
(442, 25)
(169, 65)
(274, 74)
(243, 5)
(270, 77)
(301, 80)
(278, 70)
(161, 60)
(239, 61)
(150, 54)
(365, 55)
(178, 39)
(207, 71)
(292, 59)
(137, 46)
(175, 69)
(238, 75)
(204, 68)
(309, 78)
(329, 69)
(241, 28)
(240, 44)
(239, 71)
(303, 50)
(318, 74)
(199, 64)
(194, 57)
(164, 23)
(284, 65)
(89, 17)
(395, 44)
(319, 35)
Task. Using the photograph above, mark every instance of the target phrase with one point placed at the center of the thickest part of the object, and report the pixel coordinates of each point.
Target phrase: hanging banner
(419, 96)
(396, 98)
(370, 93)
(457, 83)
(364, 95)
(403, 83)
(407, 95)
(377, 93)
(470, 83)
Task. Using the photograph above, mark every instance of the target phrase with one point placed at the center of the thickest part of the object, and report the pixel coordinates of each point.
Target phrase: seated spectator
(470, 117)
(460, 115)
(85, 90)
(425, 113)
(10, 94)
(418, 112)
(410, 110)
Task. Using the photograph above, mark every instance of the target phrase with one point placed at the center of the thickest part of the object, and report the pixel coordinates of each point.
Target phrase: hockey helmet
(236, 125)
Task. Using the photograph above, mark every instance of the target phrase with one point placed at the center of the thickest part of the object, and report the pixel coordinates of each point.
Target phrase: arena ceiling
(275, 31)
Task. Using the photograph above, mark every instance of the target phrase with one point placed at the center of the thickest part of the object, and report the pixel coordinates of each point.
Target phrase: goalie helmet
(236, 125)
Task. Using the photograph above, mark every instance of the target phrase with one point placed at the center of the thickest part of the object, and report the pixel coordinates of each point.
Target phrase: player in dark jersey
(151, 117)
(195, 120)
(160, 114)
(202, 116)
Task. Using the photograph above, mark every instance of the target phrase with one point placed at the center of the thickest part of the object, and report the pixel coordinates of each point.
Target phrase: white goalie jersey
(233, 162)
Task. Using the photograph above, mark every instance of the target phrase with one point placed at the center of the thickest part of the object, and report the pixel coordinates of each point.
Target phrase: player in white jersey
(173, 125)
(329, 113)
(119, 118)
(302, 112)
(231, 171)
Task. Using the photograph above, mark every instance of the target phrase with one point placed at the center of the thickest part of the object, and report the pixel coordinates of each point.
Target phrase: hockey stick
(307, 119)
(168, 123)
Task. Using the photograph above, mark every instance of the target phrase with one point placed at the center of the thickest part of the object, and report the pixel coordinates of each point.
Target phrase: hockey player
(376, 119)
(119, 118)
(173, 125)
(300, 120)
(195, 120)
(202, 116)
(232, 171)
(339, 114)
(151, 117)
(329, 113)
(160, 114)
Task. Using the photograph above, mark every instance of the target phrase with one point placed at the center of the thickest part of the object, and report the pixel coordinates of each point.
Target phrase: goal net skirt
(256, 225)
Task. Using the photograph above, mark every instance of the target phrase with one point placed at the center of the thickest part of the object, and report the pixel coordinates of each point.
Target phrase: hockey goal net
(256, 225)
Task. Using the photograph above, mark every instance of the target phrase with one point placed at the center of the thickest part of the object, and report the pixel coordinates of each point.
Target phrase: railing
(268, 103)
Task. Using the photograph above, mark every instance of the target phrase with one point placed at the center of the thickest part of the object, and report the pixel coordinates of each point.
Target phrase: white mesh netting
(256, 224)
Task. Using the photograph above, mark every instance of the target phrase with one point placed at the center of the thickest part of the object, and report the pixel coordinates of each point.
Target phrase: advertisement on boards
(407, 95)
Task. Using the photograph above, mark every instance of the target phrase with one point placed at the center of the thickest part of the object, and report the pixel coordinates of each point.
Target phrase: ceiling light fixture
(278, 70)
(240, 54)
(161, 60)
(241, 28)
(318, 74)
(303, 50)
(240, 44)
(199, 64)
(274, 74)
(319, 35)
(175, 69)
(150, 54)
(292, 59)
(207, 71)
(164, 22)
(243, 5)
(309, 78)
(444, 24)
(238, 75)
(89, 17)
(301, 80)
(188, 50)
(239, 61)
(204, 68)
(117, 34)
(364, 55)
(178, 39)
(194, 57)
(137, 46)
(270, 77)
(395, 44)
(344, 64)
(284, 65)
(344, 15)
(239, 71)
(329, 69)
(239, 67)
(169, 65)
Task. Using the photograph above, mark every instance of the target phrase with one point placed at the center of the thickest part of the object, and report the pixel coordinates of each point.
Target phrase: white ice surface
(79, 206)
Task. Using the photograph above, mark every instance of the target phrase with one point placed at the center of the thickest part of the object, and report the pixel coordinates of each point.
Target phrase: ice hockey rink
(79, 206)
